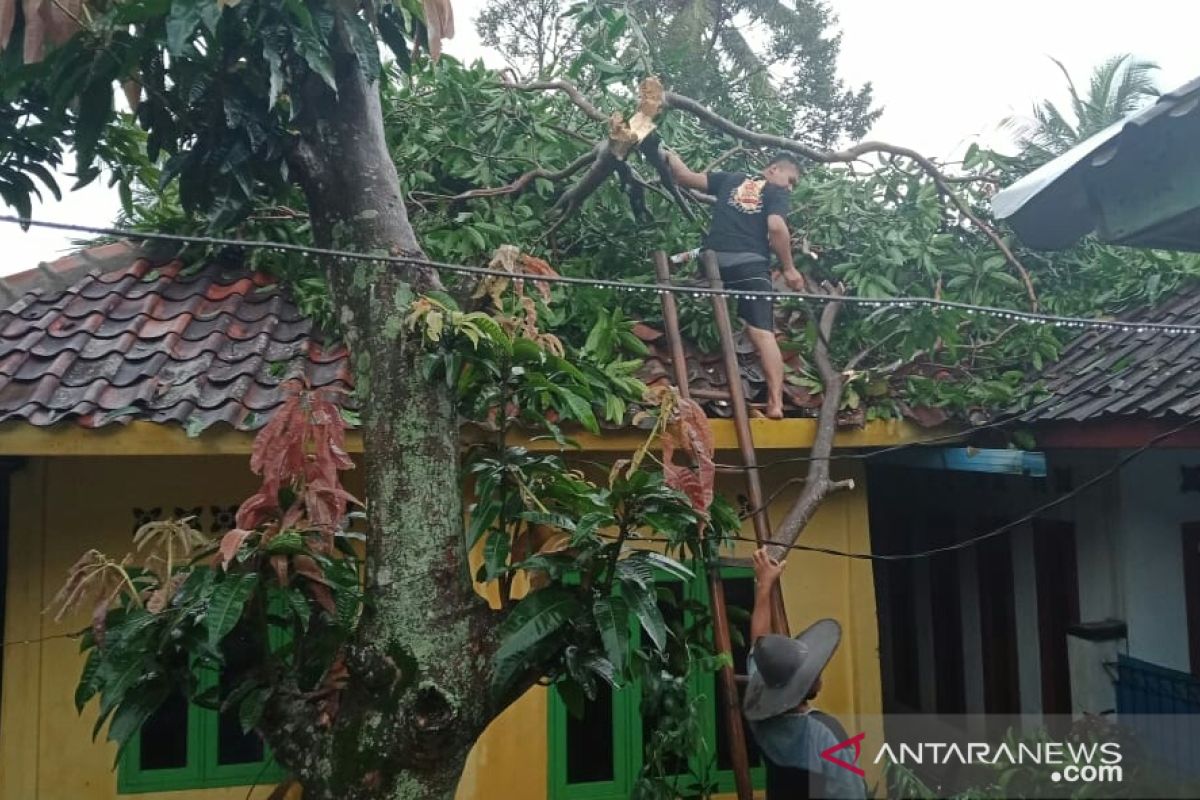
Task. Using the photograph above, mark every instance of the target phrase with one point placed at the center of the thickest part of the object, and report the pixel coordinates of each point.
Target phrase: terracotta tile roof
(1125, 374)
(63, 272)
(707, 376)
(212, 343)
(194, 346)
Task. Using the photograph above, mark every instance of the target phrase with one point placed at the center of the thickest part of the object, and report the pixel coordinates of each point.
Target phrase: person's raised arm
(683, 175)
(766, 574)
(780, 239)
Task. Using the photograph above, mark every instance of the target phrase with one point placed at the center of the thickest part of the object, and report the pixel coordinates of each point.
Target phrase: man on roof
(749, 223)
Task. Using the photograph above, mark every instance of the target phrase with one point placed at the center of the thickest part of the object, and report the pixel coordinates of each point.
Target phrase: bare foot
(775, 410)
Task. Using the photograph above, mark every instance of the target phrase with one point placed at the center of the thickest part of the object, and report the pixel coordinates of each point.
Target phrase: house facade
(1090, 602)
(132, 394)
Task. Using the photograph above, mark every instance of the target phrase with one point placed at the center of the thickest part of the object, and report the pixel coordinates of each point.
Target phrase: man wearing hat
(785, 677)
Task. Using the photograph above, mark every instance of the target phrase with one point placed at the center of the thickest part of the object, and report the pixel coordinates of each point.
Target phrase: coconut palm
(1118, 87)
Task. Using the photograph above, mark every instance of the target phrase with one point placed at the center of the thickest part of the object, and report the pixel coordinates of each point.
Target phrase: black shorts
(749, 272)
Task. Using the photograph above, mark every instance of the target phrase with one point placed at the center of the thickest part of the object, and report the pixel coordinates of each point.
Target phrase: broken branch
(564, 86)
(707, 115)
(522, 183)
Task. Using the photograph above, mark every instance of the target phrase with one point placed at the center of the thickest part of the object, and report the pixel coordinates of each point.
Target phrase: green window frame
(627, 744)
(201, 769)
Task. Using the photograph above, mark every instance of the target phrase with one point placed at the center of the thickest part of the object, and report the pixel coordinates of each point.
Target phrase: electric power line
(869, 454)
(416, 260)
(974, 540)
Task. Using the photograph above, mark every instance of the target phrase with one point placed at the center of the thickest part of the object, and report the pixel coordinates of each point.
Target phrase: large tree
(765, 60)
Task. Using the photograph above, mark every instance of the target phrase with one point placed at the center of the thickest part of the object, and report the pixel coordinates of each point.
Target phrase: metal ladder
(762, 526)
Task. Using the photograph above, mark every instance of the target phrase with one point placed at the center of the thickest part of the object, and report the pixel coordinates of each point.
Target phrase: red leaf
(256, 510)
(317, 585)
(230, 543)
(690, 432)
(533, 265)
(100, 621)
(279, 563)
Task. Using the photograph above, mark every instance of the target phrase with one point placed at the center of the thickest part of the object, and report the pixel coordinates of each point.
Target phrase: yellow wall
(61, 506)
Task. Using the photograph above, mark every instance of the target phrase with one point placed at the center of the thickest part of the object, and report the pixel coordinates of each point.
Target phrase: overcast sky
(945, 72)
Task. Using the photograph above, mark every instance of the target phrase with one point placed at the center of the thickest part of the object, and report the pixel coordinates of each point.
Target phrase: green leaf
(182, 21)
(495, 555)
(117, 678)
(132, 713)
(287, 543)
(316, 55)
(529, 632)
(637, 570)
(88, 680)
(366, 49)
(544, 518)
(580, 409)
(251, 708)
(225, 608)
(274, 61)
(573, 698)
(612, 619)
(298, 602)
(643, 602)
(666, 564)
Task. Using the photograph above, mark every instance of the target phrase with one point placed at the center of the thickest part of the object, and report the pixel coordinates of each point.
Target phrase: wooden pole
(738, 753)
(741, 424)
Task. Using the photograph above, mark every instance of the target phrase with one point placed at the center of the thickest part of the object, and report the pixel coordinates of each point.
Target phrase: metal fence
(1162, 707)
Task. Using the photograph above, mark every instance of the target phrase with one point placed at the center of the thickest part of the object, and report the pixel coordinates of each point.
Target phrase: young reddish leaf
(230, 543)
(279, 563)
(536, 266)
(255, 510)
(689, 431)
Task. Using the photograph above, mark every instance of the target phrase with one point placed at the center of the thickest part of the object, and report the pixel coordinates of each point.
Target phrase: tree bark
(419, 668)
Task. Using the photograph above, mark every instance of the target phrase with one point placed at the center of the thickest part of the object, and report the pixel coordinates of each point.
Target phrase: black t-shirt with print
(739, 221)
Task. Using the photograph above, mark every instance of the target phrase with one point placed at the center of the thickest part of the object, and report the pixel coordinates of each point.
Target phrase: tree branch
(564, 86)
(715, 120)
(706, 115)
(521, 183)
(817, 485)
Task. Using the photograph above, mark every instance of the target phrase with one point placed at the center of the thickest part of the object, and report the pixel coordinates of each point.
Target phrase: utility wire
(974, 540)
(416, 260)
(869, 454)
(39, 641)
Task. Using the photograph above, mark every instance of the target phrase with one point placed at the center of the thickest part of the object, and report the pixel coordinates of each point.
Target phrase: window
(600, 756)
(185, 746)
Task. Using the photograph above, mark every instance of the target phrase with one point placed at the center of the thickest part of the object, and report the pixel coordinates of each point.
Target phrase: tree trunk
(417, 695)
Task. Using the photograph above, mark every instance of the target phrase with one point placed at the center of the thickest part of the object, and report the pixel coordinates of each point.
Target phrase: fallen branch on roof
(623, 137)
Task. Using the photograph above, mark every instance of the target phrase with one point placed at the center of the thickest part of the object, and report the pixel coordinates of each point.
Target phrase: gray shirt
(797, 740)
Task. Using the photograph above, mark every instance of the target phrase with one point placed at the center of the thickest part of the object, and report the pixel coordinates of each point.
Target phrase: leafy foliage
(767, 62)
(285, 585)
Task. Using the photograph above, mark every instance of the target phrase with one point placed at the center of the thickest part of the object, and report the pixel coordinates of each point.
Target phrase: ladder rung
(710, 394)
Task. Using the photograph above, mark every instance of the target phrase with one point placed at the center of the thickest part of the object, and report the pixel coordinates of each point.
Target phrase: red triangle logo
(853, 741)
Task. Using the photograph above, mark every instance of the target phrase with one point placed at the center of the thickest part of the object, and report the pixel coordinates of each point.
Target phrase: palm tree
(1119, 86)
